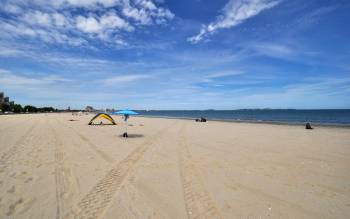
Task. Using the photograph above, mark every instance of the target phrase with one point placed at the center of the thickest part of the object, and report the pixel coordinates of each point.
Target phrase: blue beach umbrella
(126, 114)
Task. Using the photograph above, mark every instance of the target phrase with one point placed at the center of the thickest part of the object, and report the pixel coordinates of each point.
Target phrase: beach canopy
(126, 112)
(102, 116)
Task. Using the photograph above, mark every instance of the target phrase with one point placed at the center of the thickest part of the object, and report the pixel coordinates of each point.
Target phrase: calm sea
(335, 117)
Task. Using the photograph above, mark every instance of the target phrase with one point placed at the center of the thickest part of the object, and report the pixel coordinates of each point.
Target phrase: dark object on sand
(72, 120)
(125, 135)
(308, 126)
(202, 119)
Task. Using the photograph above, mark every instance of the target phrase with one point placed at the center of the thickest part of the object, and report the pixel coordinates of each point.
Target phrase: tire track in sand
(94, 147)
(98, 199)
(60, 178)
(102, 154)
(198, 202)
(7, 157)
(8, 128)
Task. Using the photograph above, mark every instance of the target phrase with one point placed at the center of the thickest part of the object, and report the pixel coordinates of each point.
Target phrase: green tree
(5, 107)
(46, 109)
(30, 109)
(17, 108)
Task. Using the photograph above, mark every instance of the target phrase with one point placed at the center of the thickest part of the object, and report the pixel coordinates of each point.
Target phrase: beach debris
(202, 119)
(308, 126)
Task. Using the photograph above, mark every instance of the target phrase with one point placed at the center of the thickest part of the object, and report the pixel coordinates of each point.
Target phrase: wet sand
(51, 167)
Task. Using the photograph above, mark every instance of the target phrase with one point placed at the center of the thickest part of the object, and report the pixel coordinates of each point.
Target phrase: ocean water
(332, 117)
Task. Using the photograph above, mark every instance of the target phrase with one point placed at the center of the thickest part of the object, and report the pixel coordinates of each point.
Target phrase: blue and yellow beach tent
(104, 116)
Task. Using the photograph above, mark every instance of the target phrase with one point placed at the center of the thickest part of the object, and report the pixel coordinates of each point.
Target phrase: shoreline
(328, 125)
(313, 124)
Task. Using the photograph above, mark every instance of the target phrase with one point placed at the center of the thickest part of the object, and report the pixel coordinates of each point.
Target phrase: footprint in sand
(28, 180)
(12, 207)
(12, 190)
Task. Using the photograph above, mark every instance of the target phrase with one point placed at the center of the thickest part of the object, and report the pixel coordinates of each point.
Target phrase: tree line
(17, 108)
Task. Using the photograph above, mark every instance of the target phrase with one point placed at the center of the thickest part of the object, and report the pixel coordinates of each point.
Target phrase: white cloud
(145, 11)
(11, 8)
(16, 29)
(10, 52)
(57, 21)
(234, 13)
(224, 74)
(38, 18)
(49, 35)
(104, 26)
(139, 15)
(85, 3)
(218, 75)
(114, 21)
(275, 50)
(89, 24)
(42, 19)
(147, 4)
(209, 78)
(125, 79)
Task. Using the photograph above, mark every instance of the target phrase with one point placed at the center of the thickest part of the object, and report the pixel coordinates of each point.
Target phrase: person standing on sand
(126, 117)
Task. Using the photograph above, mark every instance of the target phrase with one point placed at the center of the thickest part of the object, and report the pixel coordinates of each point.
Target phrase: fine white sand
(51, 167)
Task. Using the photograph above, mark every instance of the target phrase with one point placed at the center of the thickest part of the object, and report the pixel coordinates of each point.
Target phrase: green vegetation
(5, 107)
(33, 109)
(30, 109)
(17, 108)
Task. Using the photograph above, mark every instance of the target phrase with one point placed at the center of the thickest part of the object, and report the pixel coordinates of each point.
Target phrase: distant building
(110, 110)
(4, 100)
(89, 109)
(5, 104)
(1, 97)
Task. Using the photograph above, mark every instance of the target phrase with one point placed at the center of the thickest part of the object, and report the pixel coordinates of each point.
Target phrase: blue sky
(176, 54)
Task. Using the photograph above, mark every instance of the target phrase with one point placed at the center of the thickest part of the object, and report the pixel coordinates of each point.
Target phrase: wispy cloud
(271, 49)
(123, 79)
(223, 74)
(10, 79)
(307, 94)
(234, 13)
(10, 52)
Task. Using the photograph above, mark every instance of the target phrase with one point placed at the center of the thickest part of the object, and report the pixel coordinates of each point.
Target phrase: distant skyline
(176, 54)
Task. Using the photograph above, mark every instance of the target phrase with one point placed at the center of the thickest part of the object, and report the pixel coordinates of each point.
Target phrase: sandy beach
(51, 167)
